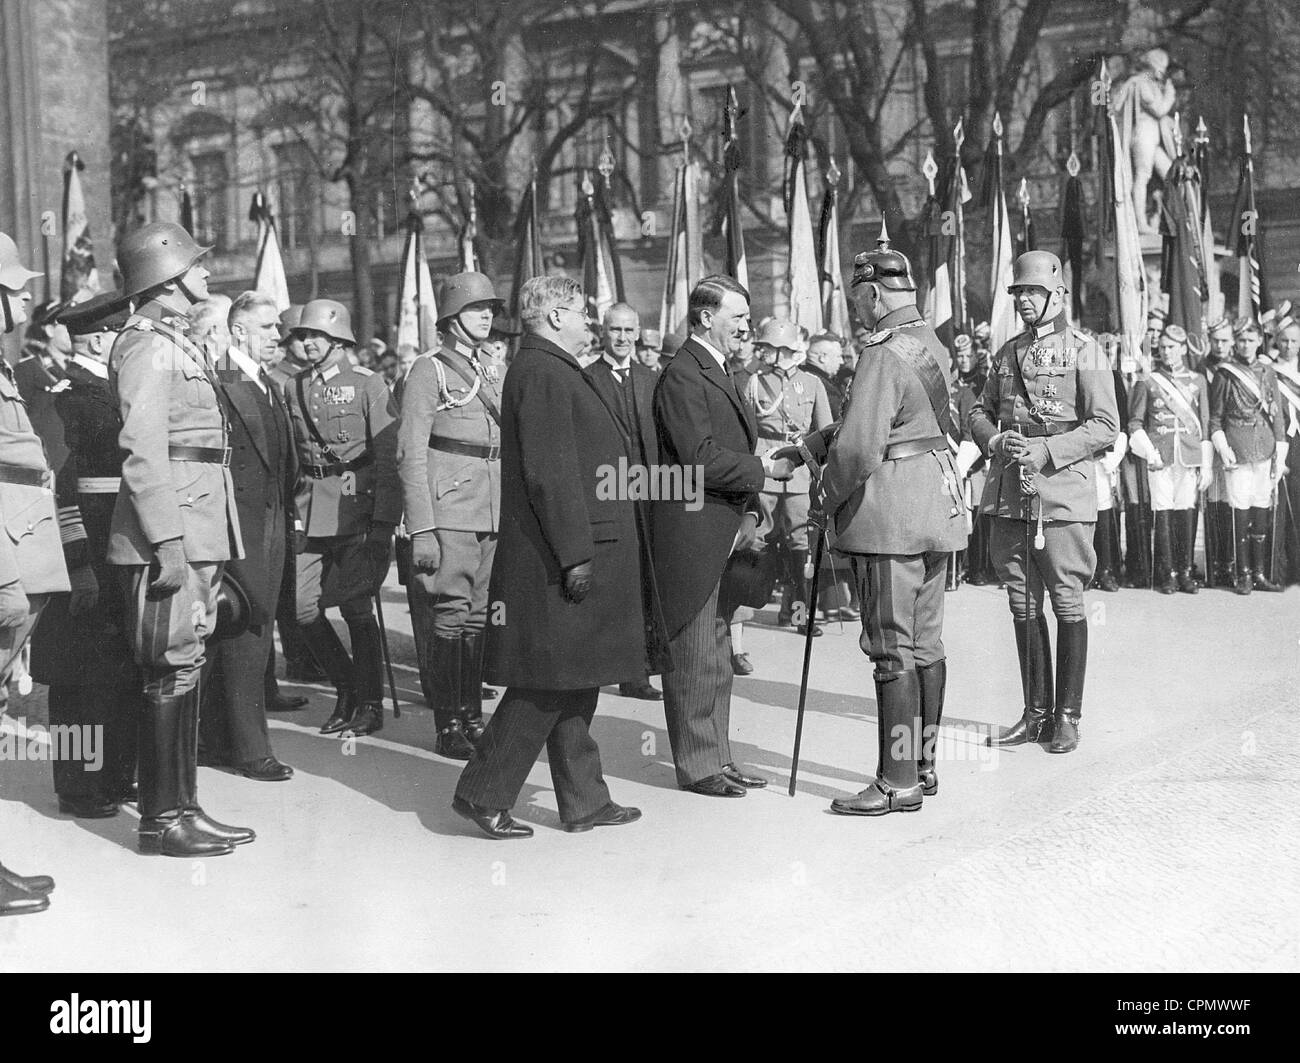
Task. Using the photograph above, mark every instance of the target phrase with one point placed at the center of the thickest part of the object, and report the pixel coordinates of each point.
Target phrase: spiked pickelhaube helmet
(884, 266)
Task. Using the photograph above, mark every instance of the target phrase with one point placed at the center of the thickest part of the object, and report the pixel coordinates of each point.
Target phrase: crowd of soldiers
(183, 473)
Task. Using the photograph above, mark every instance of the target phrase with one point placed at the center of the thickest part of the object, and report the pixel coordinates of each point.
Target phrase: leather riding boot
(1186, 559)
(448, 698)
(1220, 556)
(324, 644)
(1259, 559)
(1243, 583)
(367, 675)
(471, 684)
(1162, 570)
(896, 787)
(1035, 724)
(977, 554)
(934, 682)
(1101, 545)
(1071, 666)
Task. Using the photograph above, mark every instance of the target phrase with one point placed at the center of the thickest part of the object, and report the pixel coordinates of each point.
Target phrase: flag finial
(882, 241)
(1023, 193)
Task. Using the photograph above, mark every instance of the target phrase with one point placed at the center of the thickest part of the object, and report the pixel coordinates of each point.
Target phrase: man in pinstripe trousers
(703, 425)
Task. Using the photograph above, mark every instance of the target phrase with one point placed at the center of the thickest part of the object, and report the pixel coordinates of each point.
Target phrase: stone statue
(1144, 105)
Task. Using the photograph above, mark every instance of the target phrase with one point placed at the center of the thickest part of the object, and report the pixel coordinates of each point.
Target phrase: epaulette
(363, 370)
(877, 337)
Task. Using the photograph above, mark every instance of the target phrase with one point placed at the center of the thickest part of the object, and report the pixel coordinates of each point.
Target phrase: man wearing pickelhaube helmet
(348, 504)
(174, 527)
(890, 486)
(1047, 410)
(449, 459)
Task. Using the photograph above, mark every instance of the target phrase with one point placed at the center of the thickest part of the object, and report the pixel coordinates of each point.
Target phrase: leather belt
(1051, 428)
(207, 455)
(771, 433)
(98, 485)
(20, 474)
(321, 472)
(910, 448)
(469, 450)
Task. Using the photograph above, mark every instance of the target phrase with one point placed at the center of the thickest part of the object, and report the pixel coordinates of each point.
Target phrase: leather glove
(426, 554)
(747, 533)
(85, 590)
(1008, 445)
(14, 605)
(1034, 456)
(169, 556)
(1279, 462)
(577, 582)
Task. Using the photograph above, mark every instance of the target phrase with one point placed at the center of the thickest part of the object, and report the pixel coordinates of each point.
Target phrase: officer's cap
(106, 312)
(962, 342)
(1174, 332)
(1222, 327)
(780, 332)
(1244, 326)
(884, 266)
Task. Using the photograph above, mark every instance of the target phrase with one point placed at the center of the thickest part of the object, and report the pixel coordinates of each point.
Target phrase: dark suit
(557, 437)
(632, 400)
(702, 425)
(264, 468)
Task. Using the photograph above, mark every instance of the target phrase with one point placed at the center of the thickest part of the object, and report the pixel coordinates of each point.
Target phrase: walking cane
(807, 661)
(388, 660)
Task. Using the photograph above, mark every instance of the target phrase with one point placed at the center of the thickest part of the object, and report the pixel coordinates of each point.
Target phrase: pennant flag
(78, 279)
(1130, 276)
(685, 246)
(937, 300)
(1026, 241)
(1245, 217)
(1182, 266)
(729, 220)
(1072, 233)
(958, 195)
(468, 256)
(602, 278)
(835, 304)
(187, 211)
(529, 259)
(1003, 322)
(268, 273)
(1214, 302)
(417, 310)
(801, 272)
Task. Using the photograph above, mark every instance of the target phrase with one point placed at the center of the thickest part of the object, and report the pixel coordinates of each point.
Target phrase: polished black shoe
(453, 743)
(643, 690)
(232, 835)
(495, 823)
(180, 836)
(267, 769)
(31, 883)
(129, 794)
(879, 799)
(345, 707)
(611, 815)
(977, 579)
(741, 664)
(1033, 726)
(368, 720)
(474, 729)
(750, 782)
(87, 807)
(716, 786)
(1065, 734)
(303, 671)
(802, 629)
(1187, 583)
(280, 703)
(15, 901)
(1108, 583)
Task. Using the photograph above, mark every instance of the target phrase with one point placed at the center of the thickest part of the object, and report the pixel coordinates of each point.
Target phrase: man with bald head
(627, 387)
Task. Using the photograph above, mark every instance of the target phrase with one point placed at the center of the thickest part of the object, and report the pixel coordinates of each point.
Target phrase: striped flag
(1131, 297)
(1003, 322)
(1214, 301)
(1182, 272)
(835, 304)
(78, 279)
(602, 279)
(685, 251)
(529, 261)
(737, 266)
(801, 272)
(937, 302)
(417, 310)
(1245, 216)
(958, 195)
(268, 272)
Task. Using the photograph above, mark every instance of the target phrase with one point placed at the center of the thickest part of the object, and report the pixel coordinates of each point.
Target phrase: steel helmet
(462, 289)
(780, 332)
(155, 254)
(1037, 269)
(329, 317)
(13, 274)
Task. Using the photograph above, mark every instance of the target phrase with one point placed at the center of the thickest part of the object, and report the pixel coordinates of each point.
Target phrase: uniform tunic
(1154, 408)
(1253, 428)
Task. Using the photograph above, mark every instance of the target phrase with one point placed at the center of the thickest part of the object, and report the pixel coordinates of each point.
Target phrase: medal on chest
(340, 394)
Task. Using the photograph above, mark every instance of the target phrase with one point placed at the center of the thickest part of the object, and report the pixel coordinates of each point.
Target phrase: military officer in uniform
(81, 648)
(348, 504)
(1048, 408)
(1168, 427)
(31, 557)
(891, 487)
(1247, 430)
(788, 402)
(174, 527)
(449, 460)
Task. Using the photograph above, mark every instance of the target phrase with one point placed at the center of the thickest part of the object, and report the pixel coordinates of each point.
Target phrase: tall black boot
(1259, 559)
(367, 675)
(1242, 582)
(1035, 723)
(1104, 578)
(193, 812)
(896, 787)
(1162, 566)
(1071, 665)
(1227, 539)
(324, 644)
(800, 584)
(977, 553)
(934, 682)
(448, 698)
(1186, 558)
(165, 778)
(1136, 570)
(471, 683)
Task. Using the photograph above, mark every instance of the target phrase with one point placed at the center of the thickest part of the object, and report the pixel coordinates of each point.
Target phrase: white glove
(967, 455)
(1279, 462)
(1141, 445)
(1205, 475)
(1226, 455)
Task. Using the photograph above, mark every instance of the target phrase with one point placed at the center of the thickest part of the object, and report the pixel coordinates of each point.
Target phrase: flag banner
(1251, 295)
(268, 271)
(729, 220)
(1130, 274)
(529, 260)
(417, 310)
(958, 195)
(801, 272)
(672, 310)
(187, 211)
(835, 304)
(1182, 272)
(1003, 321)
(601, 277)
(78, 279)
(1073, 226)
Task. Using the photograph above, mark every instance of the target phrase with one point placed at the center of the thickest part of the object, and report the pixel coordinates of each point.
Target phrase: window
(210, 185)
(295, 194)
(954, 85)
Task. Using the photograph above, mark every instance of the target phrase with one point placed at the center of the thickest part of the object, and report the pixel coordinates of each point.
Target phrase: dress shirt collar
(717, 355)
(247, 366)
(92, 366)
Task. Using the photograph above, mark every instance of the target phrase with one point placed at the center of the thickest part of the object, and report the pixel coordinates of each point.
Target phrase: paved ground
(1169, 841)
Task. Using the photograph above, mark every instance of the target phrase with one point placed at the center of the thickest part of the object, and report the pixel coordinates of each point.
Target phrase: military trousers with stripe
(902, 609)
(169, 633)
